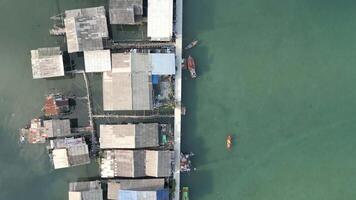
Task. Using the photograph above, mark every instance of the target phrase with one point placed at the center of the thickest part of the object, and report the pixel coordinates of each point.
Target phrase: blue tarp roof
(162, 194)
(155, 79)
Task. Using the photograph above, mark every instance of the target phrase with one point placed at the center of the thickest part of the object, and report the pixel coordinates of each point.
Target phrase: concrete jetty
(178, 96)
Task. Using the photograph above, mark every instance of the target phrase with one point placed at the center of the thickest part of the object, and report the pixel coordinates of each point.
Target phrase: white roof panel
(97, 61)
(160, 20)
(60, 158)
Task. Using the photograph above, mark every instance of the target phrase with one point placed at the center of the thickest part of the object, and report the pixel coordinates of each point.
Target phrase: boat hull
(229, 142)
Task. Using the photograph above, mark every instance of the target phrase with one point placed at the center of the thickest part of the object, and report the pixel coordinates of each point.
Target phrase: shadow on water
(192, 19)
(192, 141)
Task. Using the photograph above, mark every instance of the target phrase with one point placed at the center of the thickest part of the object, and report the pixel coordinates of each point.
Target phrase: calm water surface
(277, 74)
(280, 76)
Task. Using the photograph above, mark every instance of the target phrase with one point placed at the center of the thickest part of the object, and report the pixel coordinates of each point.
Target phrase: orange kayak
(229, 142)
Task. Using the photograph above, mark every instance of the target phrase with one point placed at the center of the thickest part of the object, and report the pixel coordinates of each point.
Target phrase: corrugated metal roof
(163, 63)
(141, 82)
(97, 61)
(90, 190)
(85, 29)
(76, 152)
(124, 11)
(60, 158)
(75, 196)
(47, 63)
(158, 163)
(123, 163)
(128, 136)
(160, 20)
(57, 127)
(128, 86)
(133, 184)
(122, 16)
(162, 194)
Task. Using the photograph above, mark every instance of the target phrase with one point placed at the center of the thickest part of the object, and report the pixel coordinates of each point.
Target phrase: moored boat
(229, 142)
(191, 66)
(185, 162)
(185, 193)
(191, 45)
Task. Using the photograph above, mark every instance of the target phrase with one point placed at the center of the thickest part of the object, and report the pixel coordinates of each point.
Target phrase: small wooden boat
(191, 66)
(185, 193)
(229, 142)
(191, 45)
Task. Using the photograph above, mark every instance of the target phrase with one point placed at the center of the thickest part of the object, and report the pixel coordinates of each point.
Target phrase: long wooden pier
(141, 45)
(90, 128)
(90, 112)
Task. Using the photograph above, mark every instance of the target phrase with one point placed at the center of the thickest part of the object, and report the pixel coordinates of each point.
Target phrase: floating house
(47, 63)
(123, 163)
(129, 136)
(69, 152)
(57, 128)
(125, 11)
(35, 132)
(56, 104)
(97, 61)
(39, 130)
(129, 85)
(116, 186)
(90, 190)
(160, 20)
(85, 29)
(159, 163)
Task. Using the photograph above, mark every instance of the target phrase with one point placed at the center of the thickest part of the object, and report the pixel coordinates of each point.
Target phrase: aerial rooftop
(57, 127)
(97, 61)
(159, 163)
(90, 190)
(85, 29)
(159, 194)
(39, 130)
(47, 63)
(162, 63)
(128, 86)
(136, 163)
(160, 20)
(123, 163)
(124, 11)
(56, 104)
(69, 152)
(128, 136)
(114, 186)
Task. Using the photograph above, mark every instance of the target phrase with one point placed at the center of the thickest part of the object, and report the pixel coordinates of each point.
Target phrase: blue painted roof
(162, 194)
(155, 79)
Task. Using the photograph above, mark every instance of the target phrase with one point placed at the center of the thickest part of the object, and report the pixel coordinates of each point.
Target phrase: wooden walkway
(90, 129)
(90, 112)
(141, 45)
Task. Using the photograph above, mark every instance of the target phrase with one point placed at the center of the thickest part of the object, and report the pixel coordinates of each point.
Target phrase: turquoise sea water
(276, 74)
(279, 75)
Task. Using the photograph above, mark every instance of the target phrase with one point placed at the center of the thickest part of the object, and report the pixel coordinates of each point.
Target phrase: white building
(97, 61)
(160, 20)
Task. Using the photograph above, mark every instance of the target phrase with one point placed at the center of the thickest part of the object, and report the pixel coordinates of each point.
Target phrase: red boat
(191, 67)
